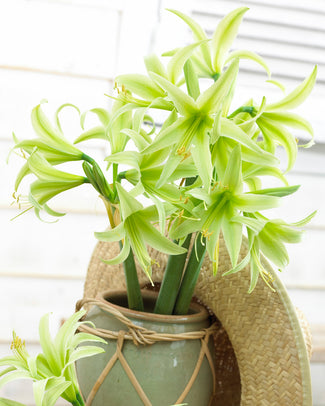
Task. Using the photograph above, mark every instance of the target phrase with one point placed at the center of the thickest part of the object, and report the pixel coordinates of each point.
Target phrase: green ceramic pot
(162, 369)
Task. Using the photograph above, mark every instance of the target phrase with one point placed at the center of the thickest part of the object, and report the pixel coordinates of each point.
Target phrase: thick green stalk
(171, 281)
(79, 401)
(132, 283)
(191, 275)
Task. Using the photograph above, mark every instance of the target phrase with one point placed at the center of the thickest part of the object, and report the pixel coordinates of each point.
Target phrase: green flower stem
(191, 275)
(79, 400)
(87, 158)
(115, 178)
(171, 281)
(132, 283)
(216, 76)
(243, 109)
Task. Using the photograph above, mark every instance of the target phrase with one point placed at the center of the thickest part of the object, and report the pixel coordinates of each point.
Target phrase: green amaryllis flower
(135, 231)
(50, 182)
(50, 141)
(210, 58)
(52, 371)
(275, 119)
(147, 169)
(189, 134)
(225, 201)
(267, 237)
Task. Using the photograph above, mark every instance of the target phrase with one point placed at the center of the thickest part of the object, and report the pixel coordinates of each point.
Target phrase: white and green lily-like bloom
(225, 201)
(268, 237)
(50, 182)
(203, 167)
(50, 141)
(136, 231)
(52, 371)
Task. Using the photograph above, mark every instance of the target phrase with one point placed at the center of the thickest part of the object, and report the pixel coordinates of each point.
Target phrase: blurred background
(70, 51)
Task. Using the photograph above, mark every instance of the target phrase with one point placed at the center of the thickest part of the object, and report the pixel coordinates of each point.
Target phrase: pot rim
(200, 312)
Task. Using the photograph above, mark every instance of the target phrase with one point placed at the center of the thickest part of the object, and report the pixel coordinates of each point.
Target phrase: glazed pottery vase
(162, 369)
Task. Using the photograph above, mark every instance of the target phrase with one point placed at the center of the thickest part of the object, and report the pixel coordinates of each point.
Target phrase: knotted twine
(142, 336)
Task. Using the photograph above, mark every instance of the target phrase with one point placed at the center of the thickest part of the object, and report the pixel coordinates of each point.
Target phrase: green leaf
(297, 96)
(184, 104)
(224, 36)
(248, 55)
(211, 100)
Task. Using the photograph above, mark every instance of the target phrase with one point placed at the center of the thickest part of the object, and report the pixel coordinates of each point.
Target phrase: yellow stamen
(206, 234)
(181, 151)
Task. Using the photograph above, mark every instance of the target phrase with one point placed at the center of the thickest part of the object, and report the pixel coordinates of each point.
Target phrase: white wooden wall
(70, 51)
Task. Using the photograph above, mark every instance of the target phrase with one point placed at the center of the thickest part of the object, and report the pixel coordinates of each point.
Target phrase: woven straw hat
(263, 352)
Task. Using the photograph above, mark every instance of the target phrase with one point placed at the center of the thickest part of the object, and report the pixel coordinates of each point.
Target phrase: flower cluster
(203, 168)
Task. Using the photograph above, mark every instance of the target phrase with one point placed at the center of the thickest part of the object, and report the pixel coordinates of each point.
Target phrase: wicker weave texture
(262, 358)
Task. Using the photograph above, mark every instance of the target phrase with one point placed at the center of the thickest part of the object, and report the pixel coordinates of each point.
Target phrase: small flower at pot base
(52, 371)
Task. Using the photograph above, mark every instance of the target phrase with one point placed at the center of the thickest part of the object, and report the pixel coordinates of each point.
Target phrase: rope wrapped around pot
(142, 336)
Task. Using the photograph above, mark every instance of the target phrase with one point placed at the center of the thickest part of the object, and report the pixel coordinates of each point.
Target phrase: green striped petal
(224, 36)
(297, 96)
